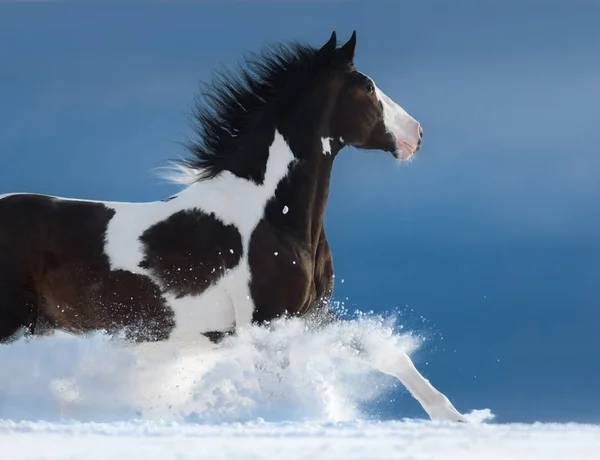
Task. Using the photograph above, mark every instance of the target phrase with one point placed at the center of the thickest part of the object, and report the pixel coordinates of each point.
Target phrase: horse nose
(420, 138)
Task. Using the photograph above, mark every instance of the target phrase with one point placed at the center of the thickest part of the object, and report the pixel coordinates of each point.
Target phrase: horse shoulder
(289, 275)
(281, 268)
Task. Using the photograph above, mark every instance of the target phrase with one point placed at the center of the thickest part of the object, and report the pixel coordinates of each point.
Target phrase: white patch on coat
(234, 201)
(326, 142)
(211, 311)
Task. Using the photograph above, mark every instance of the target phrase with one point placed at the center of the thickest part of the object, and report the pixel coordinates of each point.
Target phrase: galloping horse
(244, 241)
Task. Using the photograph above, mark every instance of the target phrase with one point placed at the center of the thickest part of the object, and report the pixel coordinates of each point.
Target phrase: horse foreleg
(387, 358)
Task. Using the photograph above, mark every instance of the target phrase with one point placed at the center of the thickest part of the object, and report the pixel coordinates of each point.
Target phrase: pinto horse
(242, 243)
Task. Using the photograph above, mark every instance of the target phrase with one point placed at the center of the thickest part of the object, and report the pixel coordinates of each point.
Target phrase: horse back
(40, 233)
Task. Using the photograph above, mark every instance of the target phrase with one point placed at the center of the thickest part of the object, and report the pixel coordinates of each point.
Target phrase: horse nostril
(420, 133)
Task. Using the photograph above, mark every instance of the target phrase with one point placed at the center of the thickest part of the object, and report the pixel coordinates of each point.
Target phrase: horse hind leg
(18, 308)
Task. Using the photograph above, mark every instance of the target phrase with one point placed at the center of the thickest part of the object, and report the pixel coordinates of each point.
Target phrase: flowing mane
(224, 135)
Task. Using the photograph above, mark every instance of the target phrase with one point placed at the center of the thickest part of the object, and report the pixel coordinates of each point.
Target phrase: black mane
(231, 103)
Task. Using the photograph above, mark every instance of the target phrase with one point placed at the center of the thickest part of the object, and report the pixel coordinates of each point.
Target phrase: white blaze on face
(405, 129)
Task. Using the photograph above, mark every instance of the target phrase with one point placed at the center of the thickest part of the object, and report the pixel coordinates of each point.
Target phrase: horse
(242, 243)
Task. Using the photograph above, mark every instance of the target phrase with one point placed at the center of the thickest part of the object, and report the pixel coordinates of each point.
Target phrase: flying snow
(279, 392)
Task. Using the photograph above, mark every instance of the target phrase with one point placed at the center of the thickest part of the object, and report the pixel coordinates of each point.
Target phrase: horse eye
(370, 88)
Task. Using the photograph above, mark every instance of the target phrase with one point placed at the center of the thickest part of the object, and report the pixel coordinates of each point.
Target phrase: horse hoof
(444, 411)
(449, 416)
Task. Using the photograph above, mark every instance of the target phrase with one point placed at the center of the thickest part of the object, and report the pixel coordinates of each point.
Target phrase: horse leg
(387, 358)
(45, 326)
(18, 308)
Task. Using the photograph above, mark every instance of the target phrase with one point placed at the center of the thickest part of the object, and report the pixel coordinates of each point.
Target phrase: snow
(287, 372)
(279, 393)
(296, 440)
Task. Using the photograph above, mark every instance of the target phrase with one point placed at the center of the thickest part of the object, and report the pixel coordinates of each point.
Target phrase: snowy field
(296, 440)
(285, 393)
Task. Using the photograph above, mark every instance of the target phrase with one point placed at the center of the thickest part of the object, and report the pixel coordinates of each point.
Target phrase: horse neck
(292, 197)
(301, 199)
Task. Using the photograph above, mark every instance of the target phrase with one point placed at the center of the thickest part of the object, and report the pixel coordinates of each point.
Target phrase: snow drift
(283, 392)
(284, 373)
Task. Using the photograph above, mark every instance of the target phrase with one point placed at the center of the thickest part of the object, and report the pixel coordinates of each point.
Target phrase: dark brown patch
(294, 281)
(323, 270)
(190, 251)
(281, 273)
(22, 222)
(53, 271)
(114, 301)
(289, 257)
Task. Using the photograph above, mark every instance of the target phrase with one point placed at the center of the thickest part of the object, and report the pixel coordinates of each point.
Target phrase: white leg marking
(388, 359)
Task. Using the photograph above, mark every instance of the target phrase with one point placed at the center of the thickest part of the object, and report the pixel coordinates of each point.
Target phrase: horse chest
(273, 276)
(282, 273)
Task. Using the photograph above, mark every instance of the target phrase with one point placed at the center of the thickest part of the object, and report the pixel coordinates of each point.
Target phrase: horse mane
(231, 102)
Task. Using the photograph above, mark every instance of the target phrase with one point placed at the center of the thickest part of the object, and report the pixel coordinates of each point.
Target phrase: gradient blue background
(488, 242)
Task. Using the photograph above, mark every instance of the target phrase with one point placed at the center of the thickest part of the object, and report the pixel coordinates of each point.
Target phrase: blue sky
(490, 234)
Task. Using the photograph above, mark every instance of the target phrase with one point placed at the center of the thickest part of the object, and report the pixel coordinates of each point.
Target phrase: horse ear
(330, 45)
(346, 52)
